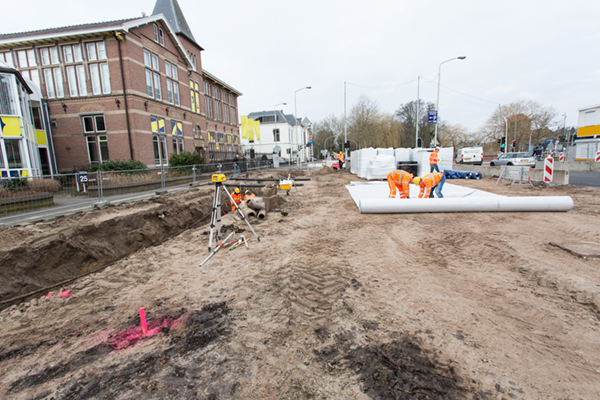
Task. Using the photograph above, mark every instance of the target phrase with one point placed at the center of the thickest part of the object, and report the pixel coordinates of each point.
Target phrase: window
(172, 83)
(159, 141)
(590, 118)
(155, 33)
(208, 100)
(13, 153)
(276, 136)
(161, 34)
(177, 135)
(152, 75)
(27, 64)
(94, 129)
(195, 96)
(49, 56)
(75, 70)
(99, 71)
(7, 58)
(94, 123)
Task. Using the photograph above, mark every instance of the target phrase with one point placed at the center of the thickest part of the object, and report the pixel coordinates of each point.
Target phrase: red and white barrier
(598, 156)
(548, 169)
(561, 156)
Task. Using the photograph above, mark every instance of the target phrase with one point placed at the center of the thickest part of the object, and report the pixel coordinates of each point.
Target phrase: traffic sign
(432, 116)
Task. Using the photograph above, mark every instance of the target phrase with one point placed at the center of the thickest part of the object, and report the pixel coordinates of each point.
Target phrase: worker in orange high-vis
(434, 158)
(399, 180)
(340, 158)
(247, 195)
(430, 183)
(237, 199)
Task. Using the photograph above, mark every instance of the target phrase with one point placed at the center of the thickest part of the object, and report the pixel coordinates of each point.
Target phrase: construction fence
(23, 195)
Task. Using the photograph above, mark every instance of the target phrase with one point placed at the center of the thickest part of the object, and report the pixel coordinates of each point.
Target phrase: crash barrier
(561, 156)
(598, 156)
(27, 195)
(513, 174)
(560, 176)
(467, 204)
(548, 169)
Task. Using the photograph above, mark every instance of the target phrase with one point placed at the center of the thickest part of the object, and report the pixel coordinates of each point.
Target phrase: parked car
(518, 159)
(469, 155)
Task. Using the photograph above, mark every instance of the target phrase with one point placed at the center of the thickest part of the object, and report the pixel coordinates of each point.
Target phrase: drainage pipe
(466, 204)
(261, 214)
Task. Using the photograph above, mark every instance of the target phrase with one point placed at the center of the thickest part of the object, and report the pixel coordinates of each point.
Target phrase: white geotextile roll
(466, 204)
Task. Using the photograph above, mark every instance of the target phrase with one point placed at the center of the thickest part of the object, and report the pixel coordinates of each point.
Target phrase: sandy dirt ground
(329, 304)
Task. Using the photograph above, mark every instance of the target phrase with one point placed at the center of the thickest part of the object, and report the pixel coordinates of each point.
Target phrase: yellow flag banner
(250, 129)
(244, 127)
(257, 129)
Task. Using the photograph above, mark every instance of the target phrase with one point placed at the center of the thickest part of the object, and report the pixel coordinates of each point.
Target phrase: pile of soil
(328, 304)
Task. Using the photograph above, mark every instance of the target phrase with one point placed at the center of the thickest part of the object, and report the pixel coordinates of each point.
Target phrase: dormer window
(155, 33)
(161, 35)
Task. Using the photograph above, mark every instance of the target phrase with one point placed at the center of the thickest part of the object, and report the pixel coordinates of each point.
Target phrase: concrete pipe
(466, 204)
(255, 205)
(261, 214)
(248, 212)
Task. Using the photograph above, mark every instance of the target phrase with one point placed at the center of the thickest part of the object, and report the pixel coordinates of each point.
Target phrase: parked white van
(469, 155)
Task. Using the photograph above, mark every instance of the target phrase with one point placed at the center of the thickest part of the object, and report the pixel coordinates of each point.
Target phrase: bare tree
(455, 136)
(407, 114)
(327, 133)
(520, 121)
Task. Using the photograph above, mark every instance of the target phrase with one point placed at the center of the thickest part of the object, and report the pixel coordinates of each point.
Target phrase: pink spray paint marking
(130, 337)
(48, 295)
(66, 293)
(143, 320)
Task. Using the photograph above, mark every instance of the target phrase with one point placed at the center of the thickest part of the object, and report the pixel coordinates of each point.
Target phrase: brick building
(128, 89)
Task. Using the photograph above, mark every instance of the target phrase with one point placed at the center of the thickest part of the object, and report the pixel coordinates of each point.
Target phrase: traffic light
(514, 143)
(503, 139)
(499, 140)
(419, 142)
(347, 144)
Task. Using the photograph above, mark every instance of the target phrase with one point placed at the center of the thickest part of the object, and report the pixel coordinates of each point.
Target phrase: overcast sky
(547, 51)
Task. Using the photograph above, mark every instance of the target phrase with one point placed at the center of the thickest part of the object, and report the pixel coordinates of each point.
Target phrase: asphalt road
(584, 179)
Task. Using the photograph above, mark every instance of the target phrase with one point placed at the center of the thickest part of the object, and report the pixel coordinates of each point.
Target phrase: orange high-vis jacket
(433, 158)
(400, 180)
(340, 157)
(428, 182)
(246, 197)
(237, 197)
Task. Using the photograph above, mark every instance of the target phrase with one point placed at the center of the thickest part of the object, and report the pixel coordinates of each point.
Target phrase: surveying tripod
(218, 180)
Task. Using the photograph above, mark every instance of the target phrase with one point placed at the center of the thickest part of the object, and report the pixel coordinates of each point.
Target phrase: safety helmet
(416, 180)
(237, 190)
(247, 192)
(437, 147)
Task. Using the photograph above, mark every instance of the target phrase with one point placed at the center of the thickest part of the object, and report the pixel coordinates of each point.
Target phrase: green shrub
(14, 184)
(185, 158)
(117, 165)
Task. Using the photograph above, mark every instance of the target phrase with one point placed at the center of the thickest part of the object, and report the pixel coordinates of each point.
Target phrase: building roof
(280, 117)
(172, 12)
(10, 70)
(220, 82)
(61, 31)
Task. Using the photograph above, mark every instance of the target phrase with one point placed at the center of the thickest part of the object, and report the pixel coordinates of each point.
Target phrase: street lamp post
(275, 119)
(296, 117)
(437, 104)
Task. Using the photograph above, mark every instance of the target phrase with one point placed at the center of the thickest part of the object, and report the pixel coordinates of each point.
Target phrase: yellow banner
(10, 126)
(250, 129)
(257, 129)
(244, 127)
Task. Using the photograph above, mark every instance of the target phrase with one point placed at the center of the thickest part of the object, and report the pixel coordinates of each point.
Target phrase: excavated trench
(44, 262)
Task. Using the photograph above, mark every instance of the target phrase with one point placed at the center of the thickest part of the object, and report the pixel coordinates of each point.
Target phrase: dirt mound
(55, 259)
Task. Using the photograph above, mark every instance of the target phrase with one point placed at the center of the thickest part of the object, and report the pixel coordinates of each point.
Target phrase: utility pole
(417, 122)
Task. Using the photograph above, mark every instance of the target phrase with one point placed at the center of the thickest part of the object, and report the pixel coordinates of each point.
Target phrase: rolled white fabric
(466, 204)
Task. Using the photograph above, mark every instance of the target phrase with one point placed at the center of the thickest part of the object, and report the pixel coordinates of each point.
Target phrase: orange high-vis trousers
(399, 180)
